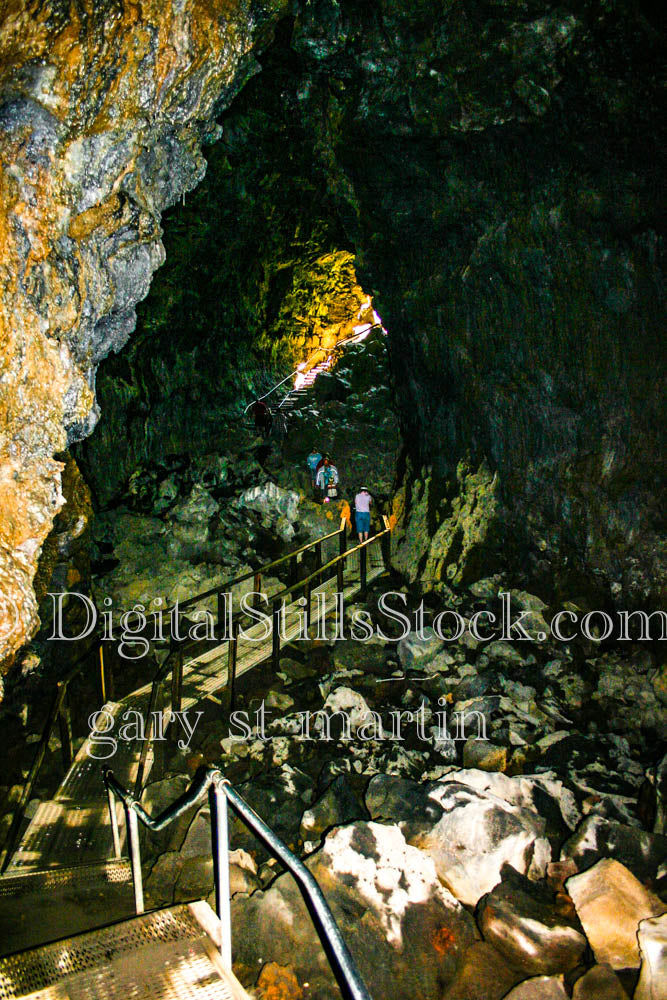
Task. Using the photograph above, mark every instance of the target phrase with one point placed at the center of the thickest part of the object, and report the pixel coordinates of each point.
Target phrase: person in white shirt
(327, 479)
(362, 513)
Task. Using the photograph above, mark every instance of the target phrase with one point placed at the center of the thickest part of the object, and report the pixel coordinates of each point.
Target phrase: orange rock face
(103, 108)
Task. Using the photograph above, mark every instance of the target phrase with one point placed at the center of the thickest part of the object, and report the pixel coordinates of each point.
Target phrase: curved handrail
(213, 782)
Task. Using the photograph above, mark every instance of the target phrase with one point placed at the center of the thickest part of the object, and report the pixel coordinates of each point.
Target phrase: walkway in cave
(76, 823)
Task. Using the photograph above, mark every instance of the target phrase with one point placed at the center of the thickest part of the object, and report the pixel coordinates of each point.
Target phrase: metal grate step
(41, 906)
(163, 955)
(99, 873)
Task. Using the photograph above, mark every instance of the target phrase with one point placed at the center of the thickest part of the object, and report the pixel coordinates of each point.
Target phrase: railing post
(293, 569)
(257, 588)
(103, 684)
(65, 725)
(275, 636)
(306, 594)
(318, 555)
(220, 832)
(157, 770)
(340, 584)
(135, 857)
(222, 611)
(114, 823)
(232, 653)
(177, 681)
(362, 570)
(342, 540)
(386, 548)
(106, 678)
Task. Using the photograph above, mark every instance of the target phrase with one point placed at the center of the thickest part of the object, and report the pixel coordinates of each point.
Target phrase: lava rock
(597, 838)
(652, 936)
(539, 988)
(338, 805)
(483, 975)
(406, 932)
(599, 983)
(610, 903)
(468, 831)
(415, 652)
(522, 921)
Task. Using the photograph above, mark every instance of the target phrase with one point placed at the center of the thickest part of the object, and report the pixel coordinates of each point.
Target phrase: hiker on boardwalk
(327, 480)
(362, 513)
(312, 462)
(345, 512)
(263, 418)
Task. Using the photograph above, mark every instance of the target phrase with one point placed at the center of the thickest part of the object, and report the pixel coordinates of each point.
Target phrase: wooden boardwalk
(74, 827)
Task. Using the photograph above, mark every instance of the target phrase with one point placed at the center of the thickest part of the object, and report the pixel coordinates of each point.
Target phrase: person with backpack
(362, 513)
(327, 480)
(312, 462)
(263, 417)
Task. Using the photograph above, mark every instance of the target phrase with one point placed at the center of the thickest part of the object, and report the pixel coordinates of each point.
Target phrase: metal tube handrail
(342, 963)
(168, 664)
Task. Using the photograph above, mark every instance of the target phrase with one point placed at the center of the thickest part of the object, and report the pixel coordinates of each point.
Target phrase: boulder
(522, 921)
(271, 501)
(483, 975)
(468, 831)
(652, 936)
(484, 755)
(278, 982)
(599, 983)
(197, 509)
(338, 805)
(597, 837)
(415, 652)
(539, 988)
(353, 709)
(610, 903)
(406, 932)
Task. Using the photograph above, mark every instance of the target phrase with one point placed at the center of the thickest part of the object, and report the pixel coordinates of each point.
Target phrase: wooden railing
(60, 709)
(175, 661)
(60, 712)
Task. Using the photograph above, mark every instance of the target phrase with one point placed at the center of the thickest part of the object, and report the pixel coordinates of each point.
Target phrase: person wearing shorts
(362, 515)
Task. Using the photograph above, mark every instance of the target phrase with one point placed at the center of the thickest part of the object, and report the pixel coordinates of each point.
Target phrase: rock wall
(499, 166)
(103, 108)
(516, 266)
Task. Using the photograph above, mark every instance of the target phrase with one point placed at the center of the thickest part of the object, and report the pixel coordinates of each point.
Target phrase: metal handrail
(211, 781)
(321, 350)
(342, 557)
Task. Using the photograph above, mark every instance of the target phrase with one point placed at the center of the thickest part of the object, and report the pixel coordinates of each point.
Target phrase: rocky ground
(458, 867)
